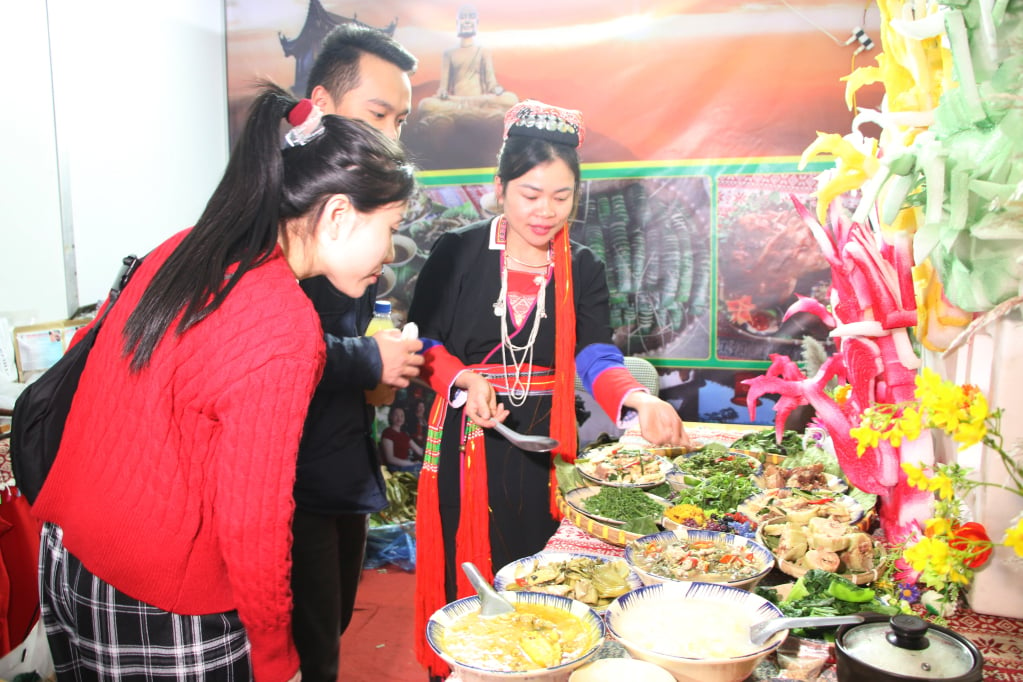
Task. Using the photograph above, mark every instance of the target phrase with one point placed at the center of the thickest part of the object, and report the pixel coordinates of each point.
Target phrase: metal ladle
(529, 443)
(762, 631)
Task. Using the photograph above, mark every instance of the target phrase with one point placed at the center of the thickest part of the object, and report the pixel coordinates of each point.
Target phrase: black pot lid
(906, 646)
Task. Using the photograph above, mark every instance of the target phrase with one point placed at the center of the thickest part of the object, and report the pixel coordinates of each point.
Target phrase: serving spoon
(762, 631)
(525, 442)
(491, 602)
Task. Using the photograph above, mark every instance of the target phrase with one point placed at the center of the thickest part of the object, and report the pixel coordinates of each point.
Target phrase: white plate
(587, 464)
(752, 506)
(576, 499)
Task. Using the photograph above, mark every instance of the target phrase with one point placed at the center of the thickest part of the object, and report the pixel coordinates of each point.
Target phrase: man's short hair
(337, 66)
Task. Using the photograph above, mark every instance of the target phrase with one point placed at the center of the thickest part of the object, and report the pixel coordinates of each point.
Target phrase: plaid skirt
(97, 632)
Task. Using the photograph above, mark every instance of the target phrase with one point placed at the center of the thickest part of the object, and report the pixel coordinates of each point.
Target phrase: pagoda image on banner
(304, 48)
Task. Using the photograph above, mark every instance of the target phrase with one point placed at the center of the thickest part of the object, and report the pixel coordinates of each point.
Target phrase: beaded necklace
(521, 356)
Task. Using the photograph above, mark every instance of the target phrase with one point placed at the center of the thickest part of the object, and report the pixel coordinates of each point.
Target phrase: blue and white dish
(516, 569)
(673, 600)
(763, 558)
(452, 612)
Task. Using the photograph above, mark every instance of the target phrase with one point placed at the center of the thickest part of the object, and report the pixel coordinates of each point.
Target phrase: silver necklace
(518, 389)
(531, 265)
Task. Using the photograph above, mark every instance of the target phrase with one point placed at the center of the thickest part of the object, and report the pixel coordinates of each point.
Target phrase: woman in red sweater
(166, 547)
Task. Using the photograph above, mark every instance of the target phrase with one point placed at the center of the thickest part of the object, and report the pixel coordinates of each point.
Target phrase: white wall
(118, 137)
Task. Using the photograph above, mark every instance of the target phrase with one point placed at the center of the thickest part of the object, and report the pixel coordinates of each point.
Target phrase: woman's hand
(398, 357)
(659, 422)
(481, 406)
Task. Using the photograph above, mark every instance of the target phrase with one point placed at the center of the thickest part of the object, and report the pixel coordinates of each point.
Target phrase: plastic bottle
(382, 394)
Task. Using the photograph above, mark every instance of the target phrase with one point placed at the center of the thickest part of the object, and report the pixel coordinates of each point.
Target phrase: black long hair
(262, 187)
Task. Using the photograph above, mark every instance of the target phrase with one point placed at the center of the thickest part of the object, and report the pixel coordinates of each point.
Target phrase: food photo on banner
(696, 118)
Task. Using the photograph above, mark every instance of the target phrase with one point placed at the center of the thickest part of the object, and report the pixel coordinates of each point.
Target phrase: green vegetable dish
(716, 459)
(623, 504)
(820, 593)
(719, 493)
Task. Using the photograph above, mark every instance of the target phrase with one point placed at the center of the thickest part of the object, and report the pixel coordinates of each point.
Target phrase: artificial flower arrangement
(939, 559)
(933, 243)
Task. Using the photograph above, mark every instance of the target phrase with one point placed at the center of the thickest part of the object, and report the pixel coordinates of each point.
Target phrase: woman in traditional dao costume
(509, 309)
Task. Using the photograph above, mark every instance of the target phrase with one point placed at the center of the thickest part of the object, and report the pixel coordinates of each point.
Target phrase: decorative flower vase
(988, 356)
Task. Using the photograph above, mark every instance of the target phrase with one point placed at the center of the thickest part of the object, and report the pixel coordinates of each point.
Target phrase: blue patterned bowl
(513, 571)
(699, 632)
(682, 538)
(473, 671)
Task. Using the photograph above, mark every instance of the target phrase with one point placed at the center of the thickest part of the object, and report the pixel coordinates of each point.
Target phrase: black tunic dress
(454, 304)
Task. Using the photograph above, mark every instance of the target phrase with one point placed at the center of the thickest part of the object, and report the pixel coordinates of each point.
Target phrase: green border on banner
(647, 169)
(642, 169)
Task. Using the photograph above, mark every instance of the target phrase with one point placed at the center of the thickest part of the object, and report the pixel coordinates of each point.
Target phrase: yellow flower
(842, 393)
(927, 382)
(916, 476)
(928, 553)
(937, 526)
(910, 423)
(943, 485)
(958, 577)
(1014, 536)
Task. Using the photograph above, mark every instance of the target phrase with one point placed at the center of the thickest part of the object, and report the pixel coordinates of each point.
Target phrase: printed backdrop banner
(696, 113)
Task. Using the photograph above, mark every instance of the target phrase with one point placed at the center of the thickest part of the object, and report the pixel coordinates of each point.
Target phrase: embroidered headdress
(530, 118)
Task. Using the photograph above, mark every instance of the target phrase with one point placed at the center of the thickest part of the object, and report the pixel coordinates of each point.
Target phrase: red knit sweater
(175, 484)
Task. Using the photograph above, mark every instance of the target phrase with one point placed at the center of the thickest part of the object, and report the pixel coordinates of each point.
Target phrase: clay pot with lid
(905, 647)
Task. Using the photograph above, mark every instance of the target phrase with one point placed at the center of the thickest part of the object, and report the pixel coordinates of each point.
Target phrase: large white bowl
(684, 535)
(474, 673)
(511, 572)
(671, 599)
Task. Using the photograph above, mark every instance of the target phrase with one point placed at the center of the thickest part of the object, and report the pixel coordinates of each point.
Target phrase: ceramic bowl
(620, 669)
(522, 570)
(727, 544)
(476, 671)
(699, 632)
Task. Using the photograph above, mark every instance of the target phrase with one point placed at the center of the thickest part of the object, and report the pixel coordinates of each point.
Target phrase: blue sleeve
(594, 359)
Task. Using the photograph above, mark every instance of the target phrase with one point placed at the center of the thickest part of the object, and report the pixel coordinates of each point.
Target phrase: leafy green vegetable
(812, 454)
(720, 493)
(820, 593)
(644, 525)
(851, 593)
(765, 441)
(568, 476)
(622, 504)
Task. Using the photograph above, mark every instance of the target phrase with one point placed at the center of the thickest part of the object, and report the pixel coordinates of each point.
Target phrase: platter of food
(700, 464)
(798, 506)
(614, 506)
(594, 580)
(614, 535)
(699, 555)
(809, 477)
(623, 465)
(823, 544)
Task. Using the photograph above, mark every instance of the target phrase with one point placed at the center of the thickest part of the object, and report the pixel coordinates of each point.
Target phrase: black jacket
(338, 469)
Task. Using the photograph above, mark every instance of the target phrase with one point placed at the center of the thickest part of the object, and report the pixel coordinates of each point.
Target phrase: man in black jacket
(360, 73)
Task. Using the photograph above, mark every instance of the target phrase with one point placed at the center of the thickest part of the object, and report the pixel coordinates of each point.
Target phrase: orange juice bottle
(382, 394)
